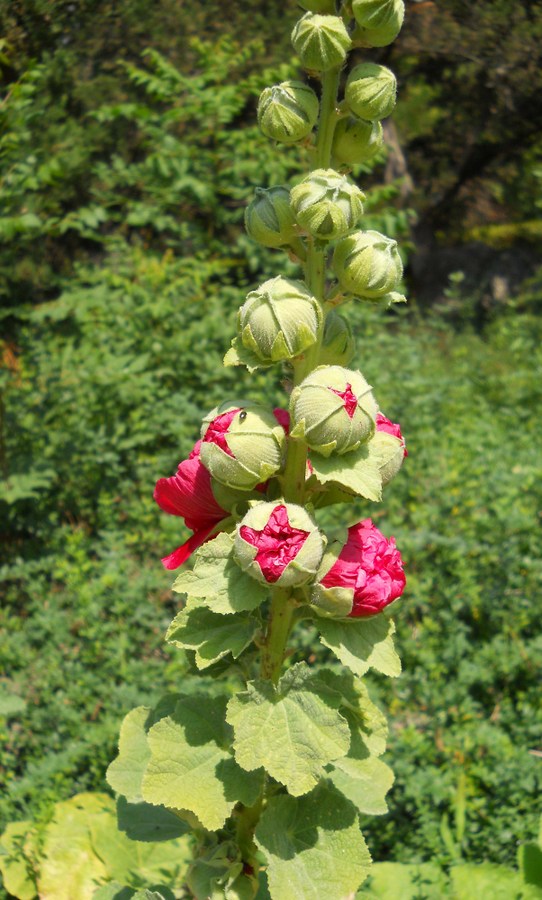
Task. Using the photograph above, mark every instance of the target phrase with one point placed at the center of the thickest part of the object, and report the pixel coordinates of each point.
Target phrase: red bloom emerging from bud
(372, 566)
(277, 543)
(383, 424)
(217, 430)
(348, 398)
(189, 494)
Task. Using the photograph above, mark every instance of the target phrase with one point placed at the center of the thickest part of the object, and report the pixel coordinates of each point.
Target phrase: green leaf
(357, 471)
(16, 851)
(293, 729)
(313, 845)
(113, 891)
(368, 723)
(69, 866)
(217, 579)
(486, 880)
(189, 766)
(363, 781)
(211, 635)
(530, 863)
(144, 822)
(362, 643)
(396, 881)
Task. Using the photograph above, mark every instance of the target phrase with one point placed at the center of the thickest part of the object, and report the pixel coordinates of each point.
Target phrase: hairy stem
(278, 629)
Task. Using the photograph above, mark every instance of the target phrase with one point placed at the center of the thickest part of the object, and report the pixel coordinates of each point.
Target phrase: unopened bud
(367, 264)
(279, 320)
(371, 91)
(279, 544)
(333, 410)
(269, 218)
(326, 204)
(378, 21)
(338, 345)
(287, 112)
(356, 140)
(321, 42)
(242, 444)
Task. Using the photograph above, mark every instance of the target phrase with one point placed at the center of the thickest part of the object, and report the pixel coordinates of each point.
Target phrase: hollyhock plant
(371, 566)
(189, 494)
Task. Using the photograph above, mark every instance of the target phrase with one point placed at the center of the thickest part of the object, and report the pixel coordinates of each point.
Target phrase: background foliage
(124, 174)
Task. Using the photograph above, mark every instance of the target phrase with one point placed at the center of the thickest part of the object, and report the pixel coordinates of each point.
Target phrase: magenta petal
(189, 494)
(181, 554)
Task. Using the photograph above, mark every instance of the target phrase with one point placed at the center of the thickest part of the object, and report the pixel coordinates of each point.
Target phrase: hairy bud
(326, 204)
(338, 345)
(279, 320)
(321, 42)
(371, 91)
(279, 543)
(356, 140)
(367, 264)
(242, 444)
(378, 21)
(288, 111)
(269, 218)
(333, 410)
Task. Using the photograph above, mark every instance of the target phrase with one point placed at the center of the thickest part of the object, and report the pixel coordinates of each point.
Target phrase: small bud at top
(242, 444)
(371, 91)
(333, 410)
(287, 112)
(379, 21)
(321, 42)
(269, 218)
(338, 345)
(279, 320)
(279, 543)
(326, 204)
(356, 140)
(367, 264)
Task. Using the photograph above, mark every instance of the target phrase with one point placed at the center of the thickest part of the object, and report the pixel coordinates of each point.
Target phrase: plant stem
(328, 117)
(278, 629)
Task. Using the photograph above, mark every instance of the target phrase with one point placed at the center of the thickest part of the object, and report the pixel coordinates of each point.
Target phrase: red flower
(278, 543)
(348, 398)
(189, 494)
(383, 424)
(218, 428)
(372, 566)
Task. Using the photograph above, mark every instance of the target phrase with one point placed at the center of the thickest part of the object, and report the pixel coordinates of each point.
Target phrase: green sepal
(362, 643)
(219, 875)
(219, 581)
(210, 634)
(357, 472)
(190, 766)
(239, 355)
(336, 602)
(313, 845)
(293, 729)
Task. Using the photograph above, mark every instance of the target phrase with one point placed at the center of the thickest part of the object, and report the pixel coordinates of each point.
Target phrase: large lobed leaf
(211, 635)
(362, 643)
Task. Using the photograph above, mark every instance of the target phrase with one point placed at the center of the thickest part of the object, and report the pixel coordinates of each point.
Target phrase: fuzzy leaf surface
(365, 782)
(368, 724)
(357, 471)
(219, 581)
(362, 644)
(190, 766)
(293, 729)
(144, 822)
(313, 845)
(210, 634)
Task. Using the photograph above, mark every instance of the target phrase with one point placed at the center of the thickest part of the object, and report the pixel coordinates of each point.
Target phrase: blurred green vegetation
(124, 175)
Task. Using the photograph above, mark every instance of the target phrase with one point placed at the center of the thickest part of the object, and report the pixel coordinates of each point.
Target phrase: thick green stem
(328, 117)
(278, 629)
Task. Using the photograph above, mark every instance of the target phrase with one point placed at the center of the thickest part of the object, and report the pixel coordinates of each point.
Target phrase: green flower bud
(326, 204)
(338, 345)
(321, 42)
(367, 264)
(269, 218)
(355, 140)
(318, 6)
(379, 21)
(371, 91)
(389, 453)
(242, 444)
(279, 320)
(287, 112)
(333, 410)
(279, 543)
